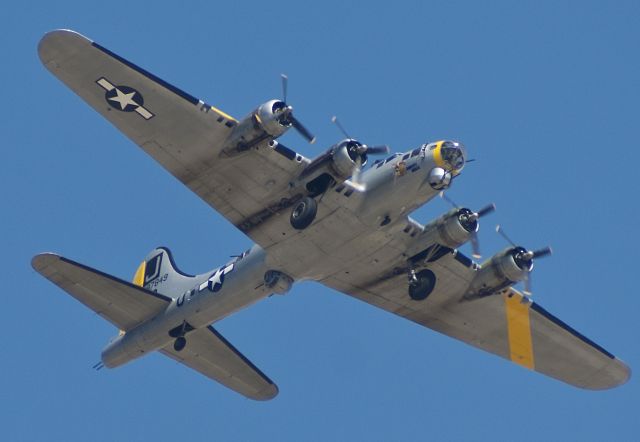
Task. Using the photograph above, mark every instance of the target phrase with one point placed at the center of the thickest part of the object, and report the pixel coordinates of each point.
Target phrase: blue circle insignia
(216, 280)
(124, 98)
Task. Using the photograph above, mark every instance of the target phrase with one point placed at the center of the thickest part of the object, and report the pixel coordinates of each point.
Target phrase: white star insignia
(124, 99)
(215, 282)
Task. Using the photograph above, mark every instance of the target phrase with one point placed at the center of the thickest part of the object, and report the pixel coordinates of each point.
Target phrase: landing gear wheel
(423, 285)
(303, 213)
(179, 343)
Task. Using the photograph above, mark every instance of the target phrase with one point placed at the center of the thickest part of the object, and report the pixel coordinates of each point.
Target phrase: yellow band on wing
(222, 114)
(519, 329)
(138, 278)
(437, 155)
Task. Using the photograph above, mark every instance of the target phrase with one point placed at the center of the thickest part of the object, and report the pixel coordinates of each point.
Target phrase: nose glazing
(453, 155)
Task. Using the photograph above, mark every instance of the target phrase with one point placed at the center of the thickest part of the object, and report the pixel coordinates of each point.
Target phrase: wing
(123, 304)
(213, 356)
(184, 134)
(506, 324)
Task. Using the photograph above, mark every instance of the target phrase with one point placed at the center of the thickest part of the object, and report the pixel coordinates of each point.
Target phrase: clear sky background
(545, 96)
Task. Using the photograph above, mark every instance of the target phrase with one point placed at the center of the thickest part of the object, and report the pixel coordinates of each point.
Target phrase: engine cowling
(344, 158)
(502, 270)
(270, 120)
(339, 161)
(452, 229)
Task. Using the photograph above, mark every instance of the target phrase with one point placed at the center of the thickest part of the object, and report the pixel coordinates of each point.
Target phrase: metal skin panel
(119, 302)
(210, 354)
(493, 324)
(184, 135)
(359, 243)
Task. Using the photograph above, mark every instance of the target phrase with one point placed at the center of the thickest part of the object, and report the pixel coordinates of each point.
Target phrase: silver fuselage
(391, 192)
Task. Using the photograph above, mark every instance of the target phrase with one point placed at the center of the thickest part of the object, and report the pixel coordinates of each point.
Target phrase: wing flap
(209, 353)
(120, 302)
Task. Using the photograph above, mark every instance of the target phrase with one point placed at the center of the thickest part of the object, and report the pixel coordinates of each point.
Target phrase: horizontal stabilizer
(119, 302)
(208, 352)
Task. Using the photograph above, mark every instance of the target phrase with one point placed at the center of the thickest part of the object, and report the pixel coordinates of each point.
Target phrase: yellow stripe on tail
(138, 278)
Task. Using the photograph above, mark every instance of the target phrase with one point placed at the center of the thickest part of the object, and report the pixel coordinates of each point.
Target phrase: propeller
(284, 114)
(359, 152)
(524, 258)
(469, 219)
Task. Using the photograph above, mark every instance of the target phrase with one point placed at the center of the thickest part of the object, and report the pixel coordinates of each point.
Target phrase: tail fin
(158, 273)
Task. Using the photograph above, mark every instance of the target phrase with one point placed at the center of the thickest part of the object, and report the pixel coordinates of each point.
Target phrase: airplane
(326, 219)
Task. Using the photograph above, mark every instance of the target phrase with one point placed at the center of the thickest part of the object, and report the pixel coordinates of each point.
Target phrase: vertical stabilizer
(159, 273)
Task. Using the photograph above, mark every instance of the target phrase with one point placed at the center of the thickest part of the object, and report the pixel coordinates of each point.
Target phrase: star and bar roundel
(124, 98)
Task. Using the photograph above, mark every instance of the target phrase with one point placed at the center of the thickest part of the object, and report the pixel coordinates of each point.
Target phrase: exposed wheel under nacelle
(303, 213)
(423, 285)
(179, 343)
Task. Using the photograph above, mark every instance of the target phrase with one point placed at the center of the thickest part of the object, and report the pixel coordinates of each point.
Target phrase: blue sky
(544, 95)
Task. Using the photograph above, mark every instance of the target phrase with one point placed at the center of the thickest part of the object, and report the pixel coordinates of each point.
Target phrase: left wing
(208, 352)
(183, 133)
(505, 323)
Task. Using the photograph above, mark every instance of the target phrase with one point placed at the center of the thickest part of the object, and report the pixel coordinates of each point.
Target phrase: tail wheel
(303, 213)
(423, 285)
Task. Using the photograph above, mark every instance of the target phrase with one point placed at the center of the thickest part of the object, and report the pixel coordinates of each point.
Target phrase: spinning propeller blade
(285, 82)
(335, 121)
(287, 113)
(486, 210)
(377, 150)
(297, 125)
(360, 151)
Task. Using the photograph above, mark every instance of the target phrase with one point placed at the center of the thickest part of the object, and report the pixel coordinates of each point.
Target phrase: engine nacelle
(452, 229)
(502, 270)
(268, 121)
(339, 161)
(344, 161)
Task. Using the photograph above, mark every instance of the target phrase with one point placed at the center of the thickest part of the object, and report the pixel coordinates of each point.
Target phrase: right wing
(123, 304)
(184, 134)
(209, 353)
(504, 323)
